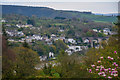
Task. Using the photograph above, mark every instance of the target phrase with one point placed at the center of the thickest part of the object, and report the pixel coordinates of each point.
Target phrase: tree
(70, 67)
(8, 60)
(60, 45)
(25, 62)
(26, 45)
(31, 21)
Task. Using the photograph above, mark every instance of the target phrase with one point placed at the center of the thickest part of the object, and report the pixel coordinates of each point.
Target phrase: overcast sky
(60, 0)
(96, 6)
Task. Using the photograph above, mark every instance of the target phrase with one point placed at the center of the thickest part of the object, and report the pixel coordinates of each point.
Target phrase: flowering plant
(106, 67)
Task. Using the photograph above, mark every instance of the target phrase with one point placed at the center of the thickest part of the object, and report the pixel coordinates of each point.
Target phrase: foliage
(26, 59)
(60, 45)
(106, 58)
(8, 60)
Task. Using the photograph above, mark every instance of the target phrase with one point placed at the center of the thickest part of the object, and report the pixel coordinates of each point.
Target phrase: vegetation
(25, 59)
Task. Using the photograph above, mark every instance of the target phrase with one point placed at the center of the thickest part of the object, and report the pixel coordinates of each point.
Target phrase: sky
(95, 6)
(60, 0)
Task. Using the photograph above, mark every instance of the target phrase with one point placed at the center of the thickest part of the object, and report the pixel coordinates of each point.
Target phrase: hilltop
(51, 13)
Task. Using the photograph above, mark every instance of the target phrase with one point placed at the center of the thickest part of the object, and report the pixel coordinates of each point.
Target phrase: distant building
(61, 30)
(43, 58)
(53, 36)
(3, 20)
(106, 31)
(21, 26)
(72, 49)
(86, 40)
(51, 54)
(71, 41)
(28, 40)
(95, 30)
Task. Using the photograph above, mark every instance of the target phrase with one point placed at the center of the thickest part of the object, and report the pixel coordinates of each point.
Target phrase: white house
(28, 40)
(53, 36)
(43, 58)
(69, 51)
(37, 37)
(72, 49)
(51, 54)
(95, 30)
(106, 31)
(61, 30)
(12, 40)
(3, 20)
(75, 48)
(86, 40)
(71, 41)
(21, 26)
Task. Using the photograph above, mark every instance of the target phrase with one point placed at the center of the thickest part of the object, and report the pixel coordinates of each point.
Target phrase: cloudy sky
(96, 6)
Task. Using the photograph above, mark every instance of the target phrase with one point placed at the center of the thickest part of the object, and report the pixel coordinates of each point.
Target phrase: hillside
(51, 13)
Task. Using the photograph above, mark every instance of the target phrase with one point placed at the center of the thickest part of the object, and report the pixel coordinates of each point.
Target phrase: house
(61, 30)
(28, 40)
(106, 31)
(75, 48)
(37, 37)
(84, 47)
(45, 38)
(62, 38)
(43, 58)
(11, 40)
(71, 41)
(69, 51)
(53, 36)
(48, 41)
(3, 20)
(51, 54)
(21, 26)
(72, 49)
(95, 30)
(59, 38)
(86, 40)
(20, 34)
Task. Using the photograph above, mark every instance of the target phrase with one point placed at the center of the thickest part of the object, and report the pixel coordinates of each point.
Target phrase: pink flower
(101, 70)
(113, 69)
(102, 67)
(104, 75)
(109, 57)
(115, 75)
(116, 72)
(109, 71)
(99, 73)
(98, 66)
(109, 77)
(93, 65)
(97, 69)
(101, 57)
(90, 70)
(113, 72)
(105, 70)
(109, 68)
(115, 51)
(99, 61)
(116, 65)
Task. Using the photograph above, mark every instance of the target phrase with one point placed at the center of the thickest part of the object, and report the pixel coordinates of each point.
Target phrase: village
(44, 42)
(73, 44)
